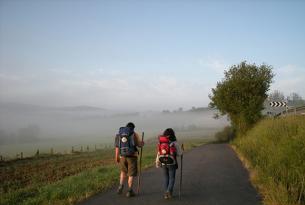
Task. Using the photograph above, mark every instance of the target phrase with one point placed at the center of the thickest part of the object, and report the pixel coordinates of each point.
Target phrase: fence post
(1, 158)
(81, 149)
(37, 153)
(21, 155)
(87, 148)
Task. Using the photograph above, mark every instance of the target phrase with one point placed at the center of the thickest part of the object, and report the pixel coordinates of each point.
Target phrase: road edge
(253, 173)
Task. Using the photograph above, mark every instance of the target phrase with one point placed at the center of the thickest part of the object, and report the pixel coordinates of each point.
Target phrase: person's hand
(158, 164)
(142, 143)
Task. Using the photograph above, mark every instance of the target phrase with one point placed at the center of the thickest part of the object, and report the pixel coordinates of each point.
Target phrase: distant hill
(32, 108)
(81, 108)
(20, 107)
(200, 109)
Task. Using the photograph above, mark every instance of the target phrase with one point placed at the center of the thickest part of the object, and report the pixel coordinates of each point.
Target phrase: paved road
(212, 175)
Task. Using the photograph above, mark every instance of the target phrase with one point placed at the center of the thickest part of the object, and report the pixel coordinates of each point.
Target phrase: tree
(295, 100)
(241, 94)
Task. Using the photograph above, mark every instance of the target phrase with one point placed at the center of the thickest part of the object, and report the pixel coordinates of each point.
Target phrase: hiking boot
(130, 193)
(120, 189)
(166, 195)
(170, 195)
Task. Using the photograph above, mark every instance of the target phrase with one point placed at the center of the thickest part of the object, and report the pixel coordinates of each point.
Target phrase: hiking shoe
(120, 189)
(166, 195)
(170, 195)
(130, 193)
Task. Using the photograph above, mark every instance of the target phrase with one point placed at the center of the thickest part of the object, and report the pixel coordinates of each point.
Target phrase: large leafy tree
(241, 94)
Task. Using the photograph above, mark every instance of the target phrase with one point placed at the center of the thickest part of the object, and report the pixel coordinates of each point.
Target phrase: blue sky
(143, 54)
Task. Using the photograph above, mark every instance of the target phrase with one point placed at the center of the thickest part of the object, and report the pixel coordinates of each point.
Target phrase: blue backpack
(127, 144)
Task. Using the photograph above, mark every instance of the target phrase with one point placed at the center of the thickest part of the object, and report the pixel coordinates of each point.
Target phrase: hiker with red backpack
(168, 151)
(126, 155)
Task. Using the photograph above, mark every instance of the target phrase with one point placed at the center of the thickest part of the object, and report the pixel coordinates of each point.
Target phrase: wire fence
(75, 149)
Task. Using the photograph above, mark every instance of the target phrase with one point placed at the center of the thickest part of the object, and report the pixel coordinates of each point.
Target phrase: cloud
(216, 65)
(289, 78)
(122, 89)
(114, 89)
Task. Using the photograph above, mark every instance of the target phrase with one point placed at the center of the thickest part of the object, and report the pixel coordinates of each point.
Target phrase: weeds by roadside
(275, 151)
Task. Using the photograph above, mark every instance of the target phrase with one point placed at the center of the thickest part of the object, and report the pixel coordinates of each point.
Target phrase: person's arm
(178, 148)
(157, 162)
(116, 150)
(117, 155)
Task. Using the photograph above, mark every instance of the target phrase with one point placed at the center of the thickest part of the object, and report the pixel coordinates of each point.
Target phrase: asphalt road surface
(212, 175)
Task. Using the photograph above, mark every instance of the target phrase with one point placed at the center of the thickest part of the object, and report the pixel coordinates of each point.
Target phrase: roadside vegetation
(275, 150)
(272, 148)
(241, 94)
(66, 179)
(224, 135)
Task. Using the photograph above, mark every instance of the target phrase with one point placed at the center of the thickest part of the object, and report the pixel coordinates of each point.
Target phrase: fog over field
(25, 128)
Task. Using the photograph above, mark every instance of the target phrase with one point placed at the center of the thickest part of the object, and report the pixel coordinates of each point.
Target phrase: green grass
(275, 149)
(66, 191)
(66, 179)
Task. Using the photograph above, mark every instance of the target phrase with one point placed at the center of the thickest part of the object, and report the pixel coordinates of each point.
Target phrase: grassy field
(275, 151)
(66, 179)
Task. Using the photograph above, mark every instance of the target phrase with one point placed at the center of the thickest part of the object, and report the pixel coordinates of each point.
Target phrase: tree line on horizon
(293, 99)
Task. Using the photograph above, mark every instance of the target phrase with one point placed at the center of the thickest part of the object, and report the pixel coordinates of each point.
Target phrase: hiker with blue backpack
(126, 155)
(168, 151)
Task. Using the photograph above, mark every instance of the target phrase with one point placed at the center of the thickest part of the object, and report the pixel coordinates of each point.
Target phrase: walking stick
(139, 177)
(181, 166)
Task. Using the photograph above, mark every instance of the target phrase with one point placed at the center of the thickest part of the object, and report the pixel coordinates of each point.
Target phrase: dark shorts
(129, 165)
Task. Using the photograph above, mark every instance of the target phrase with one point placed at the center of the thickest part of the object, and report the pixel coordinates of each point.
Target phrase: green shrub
(276, 150)
(225, 135)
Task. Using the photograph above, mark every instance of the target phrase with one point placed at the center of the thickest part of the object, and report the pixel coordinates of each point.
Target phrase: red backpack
(167, 151)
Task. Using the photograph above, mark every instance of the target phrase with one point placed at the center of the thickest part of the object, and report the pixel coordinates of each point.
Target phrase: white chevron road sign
(278, 104)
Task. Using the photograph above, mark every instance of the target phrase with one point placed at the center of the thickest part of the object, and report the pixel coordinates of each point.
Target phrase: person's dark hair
(130, 125)
(170, 132)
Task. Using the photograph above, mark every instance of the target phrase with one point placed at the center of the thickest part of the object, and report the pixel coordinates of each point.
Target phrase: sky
(143, 55)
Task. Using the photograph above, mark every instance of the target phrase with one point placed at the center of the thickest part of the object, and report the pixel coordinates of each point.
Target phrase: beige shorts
(129, 165)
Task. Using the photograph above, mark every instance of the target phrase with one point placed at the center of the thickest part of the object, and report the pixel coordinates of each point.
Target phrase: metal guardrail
(302, 108)
(294, 111)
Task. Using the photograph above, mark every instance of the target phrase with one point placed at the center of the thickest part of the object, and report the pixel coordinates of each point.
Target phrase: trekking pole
(181, 166)
(139, 177)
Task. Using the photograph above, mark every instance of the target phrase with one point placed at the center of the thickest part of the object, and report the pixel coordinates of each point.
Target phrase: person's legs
(130, 182)
(166, 177)
(122, 177)
(123, 167)
(132, 172)
(166, 181)
(171, 183)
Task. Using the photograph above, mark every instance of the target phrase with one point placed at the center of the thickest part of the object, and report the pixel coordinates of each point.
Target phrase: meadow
(275, 152)
(67, 178)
